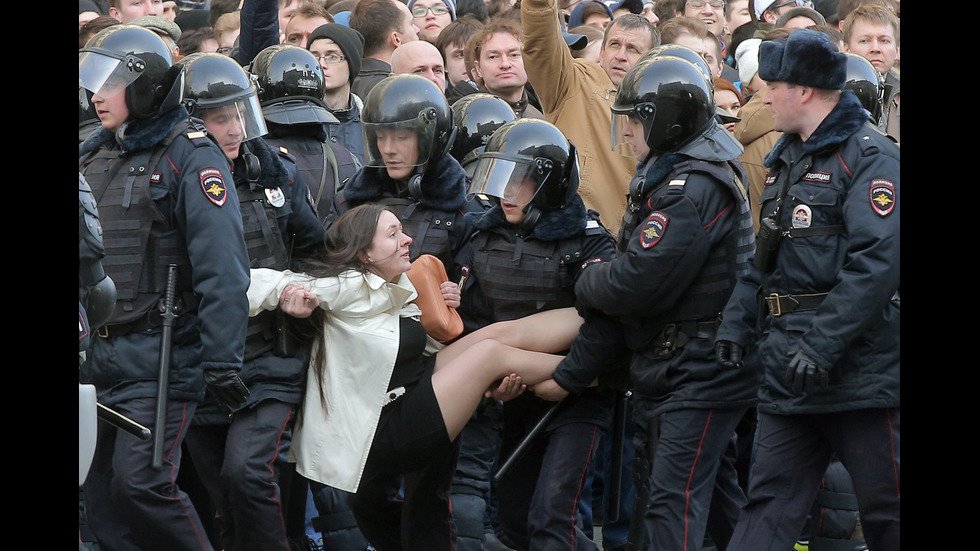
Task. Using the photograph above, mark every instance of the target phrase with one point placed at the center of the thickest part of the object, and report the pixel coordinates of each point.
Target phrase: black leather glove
(804, 375)
(227, 387)
(728, 354)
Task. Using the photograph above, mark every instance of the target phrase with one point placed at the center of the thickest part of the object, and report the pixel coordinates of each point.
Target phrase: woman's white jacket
(332, 437)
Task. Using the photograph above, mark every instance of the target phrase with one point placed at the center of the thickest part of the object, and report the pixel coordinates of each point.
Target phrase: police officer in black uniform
(429, 194)
(165, 198)
(235, 455)
(290, 82)
(524, 257)
(820, 308)
(476, 117)
(685, 236)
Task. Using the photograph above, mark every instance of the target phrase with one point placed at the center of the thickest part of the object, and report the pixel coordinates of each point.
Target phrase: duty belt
(678, 334)
(784, 304)
(150, 320)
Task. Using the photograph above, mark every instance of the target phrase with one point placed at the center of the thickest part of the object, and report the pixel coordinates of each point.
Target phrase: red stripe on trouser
(687, 488)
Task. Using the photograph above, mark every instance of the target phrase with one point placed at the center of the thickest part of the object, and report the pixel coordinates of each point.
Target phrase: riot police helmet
(88, 117)
(217, 84)
(670, 97)
(290, 85)
(530, 163)
(407, 102)
(476, 117)
(863, 79)
(683, 52)
(135, 60)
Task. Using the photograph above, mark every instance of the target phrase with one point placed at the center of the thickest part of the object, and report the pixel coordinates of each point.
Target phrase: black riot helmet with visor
(672, 99)
(530, 163)
(407, 102)
(217, 82)
(866, 83)
(476, 117)
(290, 86)
(132, 60)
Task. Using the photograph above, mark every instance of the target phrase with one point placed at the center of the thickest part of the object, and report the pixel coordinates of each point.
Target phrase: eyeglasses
(438, 9)
(800, 3)
(330, 58)
(698, 4)
(225, 51)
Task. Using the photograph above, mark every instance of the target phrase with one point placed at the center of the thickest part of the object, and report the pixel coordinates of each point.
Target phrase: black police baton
(163, 380)
(515, 455)
(122, 422)
(613, 483)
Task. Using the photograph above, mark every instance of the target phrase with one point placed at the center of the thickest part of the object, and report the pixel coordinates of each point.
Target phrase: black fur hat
(806, 58)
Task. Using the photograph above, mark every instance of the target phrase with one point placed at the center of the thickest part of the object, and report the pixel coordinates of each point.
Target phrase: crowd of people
(670, 229)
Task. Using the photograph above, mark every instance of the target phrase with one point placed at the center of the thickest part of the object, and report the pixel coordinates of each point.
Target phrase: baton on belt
(163, 380)
(614, 480)
(522, 447)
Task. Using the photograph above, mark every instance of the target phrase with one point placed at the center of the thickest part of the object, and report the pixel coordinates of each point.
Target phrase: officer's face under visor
(628, 135)
(241, 118)
(512, 179)
(106, 74)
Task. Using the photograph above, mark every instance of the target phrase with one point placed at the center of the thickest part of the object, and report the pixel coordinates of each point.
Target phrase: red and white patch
(213, 185)
(770, 179)
(802, 216)
(883, 196)
(155, 178)
(653, 229)
(591, 261)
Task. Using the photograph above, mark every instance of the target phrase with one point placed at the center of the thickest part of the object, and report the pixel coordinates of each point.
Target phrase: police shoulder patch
(883, 196)
(653, 229)
(213, 185)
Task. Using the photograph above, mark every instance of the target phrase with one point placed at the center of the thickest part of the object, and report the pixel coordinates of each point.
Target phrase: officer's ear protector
(253, 169)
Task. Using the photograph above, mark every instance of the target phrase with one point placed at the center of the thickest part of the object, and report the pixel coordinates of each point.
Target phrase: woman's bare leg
(549, 331)
(460, 384)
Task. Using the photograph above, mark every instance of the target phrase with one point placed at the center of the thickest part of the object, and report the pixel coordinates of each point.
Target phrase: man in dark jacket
(827, 328)
(235, 455)
(686, 235)
(166, 197)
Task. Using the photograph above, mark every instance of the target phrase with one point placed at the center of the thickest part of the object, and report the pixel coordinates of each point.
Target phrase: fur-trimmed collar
(273, 172)
(553, 225)
(661, 167)
(443, 185)
(847, 117)
(139, 134)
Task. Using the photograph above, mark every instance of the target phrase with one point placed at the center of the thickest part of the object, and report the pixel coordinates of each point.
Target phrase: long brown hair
(350, 235)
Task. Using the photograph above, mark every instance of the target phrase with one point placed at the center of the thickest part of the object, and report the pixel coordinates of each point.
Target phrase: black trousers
(791, 456)
(480, 442)
(237, 464)
(132, 506)
(538, 499)
(692, 485)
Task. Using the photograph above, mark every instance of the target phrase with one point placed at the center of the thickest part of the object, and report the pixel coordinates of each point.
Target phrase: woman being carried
(380, 403)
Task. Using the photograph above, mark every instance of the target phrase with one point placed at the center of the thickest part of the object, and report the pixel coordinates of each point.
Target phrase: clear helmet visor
(402, 143)
(242, 115)
(511, 179)
(628, 129)
(105, 74)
